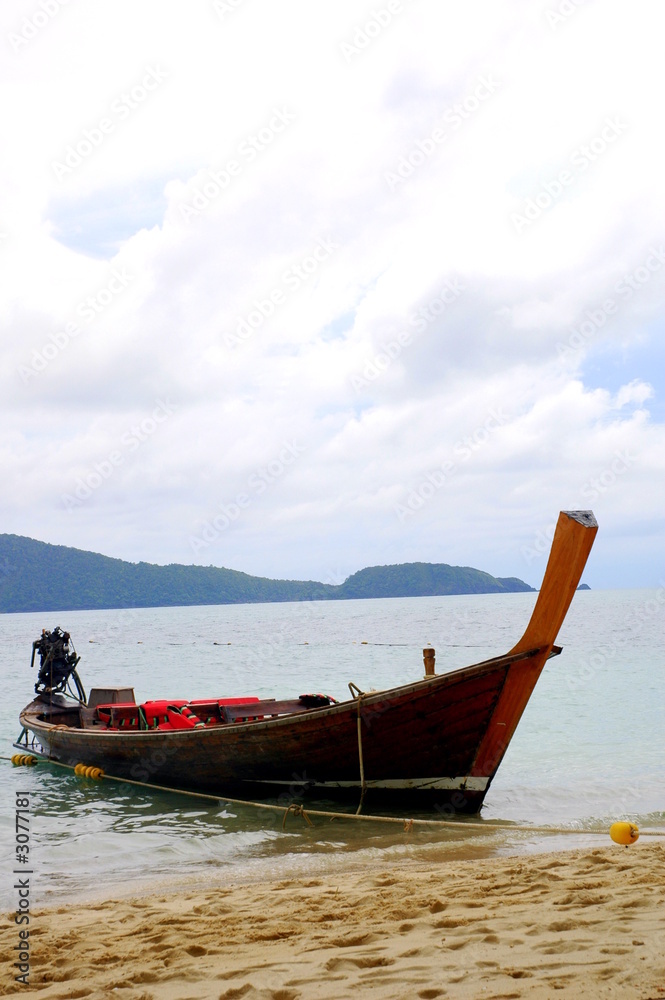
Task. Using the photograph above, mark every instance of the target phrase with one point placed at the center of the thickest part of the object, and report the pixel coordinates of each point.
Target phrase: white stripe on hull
(468, 784)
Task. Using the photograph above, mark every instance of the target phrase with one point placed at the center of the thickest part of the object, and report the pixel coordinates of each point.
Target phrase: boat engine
(57, 663)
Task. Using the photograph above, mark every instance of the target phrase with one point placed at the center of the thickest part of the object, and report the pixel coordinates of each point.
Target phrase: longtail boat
(435, 742)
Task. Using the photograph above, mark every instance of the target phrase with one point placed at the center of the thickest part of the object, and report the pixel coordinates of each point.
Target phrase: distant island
(37, 576)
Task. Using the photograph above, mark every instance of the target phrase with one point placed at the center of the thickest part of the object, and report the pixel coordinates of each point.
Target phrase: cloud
(289, 248)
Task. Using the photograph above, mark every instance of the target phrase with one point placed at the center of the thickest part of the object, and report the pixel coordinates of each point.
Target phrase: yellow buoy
(23, 759)
(624, 833)
(88, 771)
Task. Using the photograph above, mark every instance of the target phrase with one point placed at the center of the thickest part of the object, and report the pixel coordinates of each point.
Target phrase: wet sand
(585, 923)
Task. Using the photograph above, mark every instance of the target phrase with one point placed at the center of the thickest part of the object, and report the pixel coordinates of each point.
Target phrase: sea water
(590, 747)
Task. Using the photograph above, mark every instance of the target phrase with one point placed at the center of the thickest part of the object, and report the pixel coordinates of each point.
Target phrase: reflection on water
(589, 749)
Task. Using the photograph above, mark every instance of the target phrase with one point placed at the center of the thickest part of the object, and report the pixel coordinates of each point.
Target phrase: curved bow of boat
(574, 535)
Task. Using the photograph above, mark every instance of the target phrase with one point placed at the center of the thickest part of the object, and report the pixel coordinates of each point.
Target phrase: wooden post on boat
(429, 655)
(573, 538)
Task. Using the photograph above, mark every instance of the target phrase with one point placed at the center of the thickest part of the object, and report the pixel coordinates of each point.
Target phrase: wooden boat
(435, 742)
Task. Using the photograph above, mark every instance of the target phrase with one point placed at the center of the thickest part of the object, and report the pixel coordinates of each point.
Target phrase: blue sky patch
(612, 365)
(98, 224)
(339, 326)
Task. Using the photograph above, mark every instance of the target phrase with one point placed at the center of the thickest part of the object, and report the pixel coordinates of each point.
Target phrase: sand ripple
(578, 924)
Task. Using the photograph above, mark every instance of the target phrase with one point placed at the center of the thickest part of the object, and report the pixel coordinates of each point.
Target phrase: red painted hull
(419, 742)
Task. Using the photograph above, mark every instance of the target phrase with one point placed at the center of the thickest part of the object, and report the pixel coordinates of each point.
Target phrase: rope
(363, 784)
(407, 824)
(297, 810)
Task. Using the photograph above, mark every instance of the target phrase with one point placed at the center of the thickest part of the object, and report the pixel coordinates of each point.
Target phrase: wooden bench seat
(261, 709)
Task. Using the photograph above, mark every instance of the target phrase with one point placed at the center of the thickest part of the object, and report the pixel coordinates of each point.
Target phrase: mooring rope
(407, 824)
(359, 695)
(297, 810)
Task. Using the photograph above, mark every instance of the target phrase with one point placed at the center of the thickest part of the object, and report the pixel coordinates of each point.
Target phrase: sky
(297, 288)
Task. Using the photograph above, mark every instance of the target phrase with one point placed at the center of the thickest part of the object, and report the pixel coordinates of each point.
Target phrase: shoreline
(580, 922)
(324, 861)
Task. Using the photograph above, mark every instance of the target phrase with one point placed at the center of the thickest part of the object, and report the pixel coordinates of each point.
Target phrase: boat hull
(418, 743)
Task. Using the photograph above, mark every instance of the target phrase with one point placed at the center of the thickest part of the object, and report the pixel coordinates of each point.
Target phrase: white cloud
(301, 297)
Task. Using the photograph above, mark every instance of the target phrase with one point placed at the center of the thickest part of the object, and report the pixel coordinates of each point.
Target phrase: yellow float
(624, 833)
(87, 771)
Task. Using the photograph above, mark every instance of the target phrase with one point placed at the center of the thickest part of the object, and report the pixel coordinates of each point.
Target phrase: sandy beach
(583, 923)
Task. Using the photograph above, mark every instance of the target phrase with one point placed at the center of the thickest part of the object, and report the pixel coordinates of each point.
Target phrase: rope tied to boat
(409, 825)
(298, 810)
(358, 695)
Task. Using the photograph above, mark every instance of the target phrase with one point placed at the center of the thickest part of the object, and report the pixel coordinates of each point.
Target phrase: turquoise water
(589, 749)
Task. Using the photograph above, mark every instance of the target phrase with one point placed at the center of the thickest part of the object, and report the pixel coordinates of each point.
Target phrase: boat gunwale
(31, 720)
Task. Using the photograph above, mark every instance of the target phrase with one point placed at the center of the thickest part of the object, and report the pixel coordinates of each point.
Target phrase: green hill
(426, 580)
(37, 576)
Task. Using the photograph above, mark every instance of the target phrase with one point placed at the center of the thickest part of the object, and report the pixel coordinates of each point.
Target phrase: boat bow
(573, 537)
